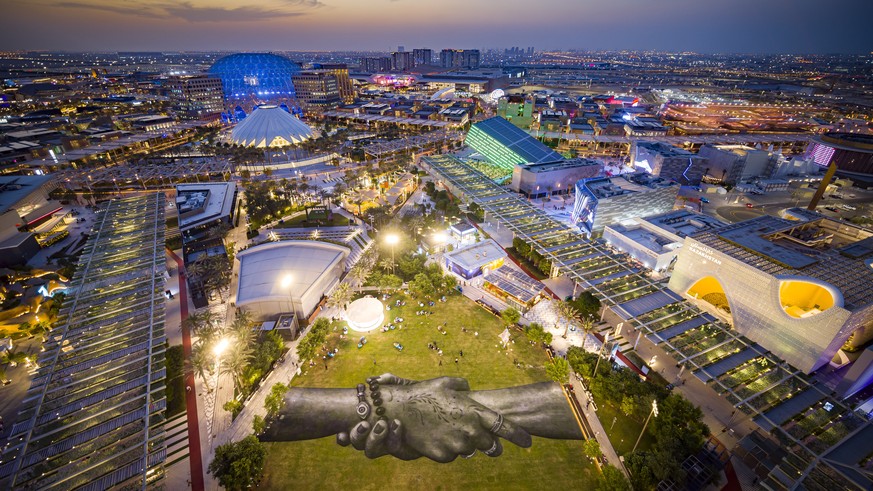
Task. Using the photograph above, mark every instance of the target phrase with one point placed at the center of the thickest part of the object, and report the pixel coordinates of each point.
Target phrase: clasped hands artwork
(440, 419)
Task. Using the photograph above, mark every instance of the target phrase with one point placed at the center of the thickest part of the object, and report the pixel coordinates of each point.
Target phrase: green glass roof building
(504, 145)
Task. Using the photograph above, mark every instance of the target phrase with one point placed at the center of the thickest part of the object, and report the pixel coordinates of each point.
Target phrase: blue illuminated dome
(260, 76)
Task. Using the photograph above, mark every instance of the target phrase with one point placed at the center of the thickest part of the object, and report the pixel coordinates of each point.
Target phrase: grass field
(625, 432)
(322, 464)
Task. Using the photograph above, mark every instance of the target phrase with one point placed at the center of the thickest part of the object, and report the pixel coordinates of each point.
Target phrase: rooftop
(213, 200)
(829, 250)
(476, 255)
(608, 187)
(15, 188)
(276, 270)
(654, 239)
(515, 283)
(528, 148)
(684, 223)
(563, 164)
(664, 149)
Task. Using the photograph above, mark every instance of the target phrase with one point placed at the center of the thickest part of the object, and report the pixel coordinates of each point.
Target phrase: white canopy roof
(270, 126)
(289, 268)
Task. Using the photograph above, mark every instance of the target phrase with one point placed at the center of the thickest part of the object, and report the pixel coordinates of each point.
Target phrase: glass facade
(504, 145)
(256, 75)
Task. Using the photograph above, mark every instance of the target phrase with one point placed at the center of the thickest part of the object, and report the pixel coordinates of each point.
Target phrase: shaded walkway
(195, 455)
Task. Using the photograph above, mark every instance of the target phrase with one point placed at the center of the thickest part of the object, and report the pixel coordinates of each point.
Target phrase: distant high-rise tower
(422, 56)
(376, 64)
(401, 61)
(341, 72)
(459, 58)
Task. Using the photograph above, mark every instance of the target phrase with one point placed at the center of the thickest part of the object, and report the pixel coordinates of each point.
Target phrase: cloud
(315, 4)
(246, 13)
(195, 14)
(140, 11)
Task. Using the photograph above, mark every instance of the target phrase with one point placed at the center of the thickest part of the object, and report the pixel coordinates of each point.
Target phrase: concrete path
(195, 455)
(593, 421)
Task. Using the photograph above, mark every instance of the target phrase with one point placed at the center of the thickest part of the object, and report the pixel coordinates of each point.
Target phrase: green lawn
(319, 464)
(626, 430)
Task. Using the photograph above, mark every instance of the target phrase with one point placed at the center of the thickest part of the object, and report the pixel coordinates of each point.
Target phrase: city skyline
(742, 26)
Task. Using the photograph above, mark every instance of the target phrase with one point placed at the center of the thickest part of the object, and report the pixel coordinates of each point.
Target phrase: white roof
(270, 126)
(476, 255)
(220, 202)
(278, 270)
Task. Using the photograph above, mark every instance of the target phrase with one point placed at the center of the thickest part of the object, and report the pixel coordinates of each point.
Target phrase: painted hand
(433, 418)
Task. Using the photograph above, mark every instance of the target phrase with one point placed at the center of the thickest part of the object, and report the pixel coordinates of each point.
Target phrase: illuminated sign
(704, 252)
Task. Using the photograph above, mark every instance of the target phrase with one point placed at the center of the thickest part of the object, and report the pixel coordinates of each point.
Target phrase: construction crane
(825, 181)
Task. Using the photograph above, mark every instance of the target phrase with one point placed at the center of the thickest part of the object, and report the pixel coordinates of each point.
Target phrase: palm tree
(567, 313)
(587, 325)
(235, 361)
(359, 273)
(386, 264)
(200, 363)
(340, 296)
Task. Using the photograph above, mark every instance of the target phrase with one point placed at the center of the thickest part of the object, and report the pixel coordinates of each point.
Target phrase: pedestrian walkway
(594, 422)
(196, 457)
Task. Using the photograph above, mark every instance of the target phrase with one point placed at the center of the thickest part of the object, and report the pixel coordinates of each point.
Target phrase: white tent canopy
(270, 126)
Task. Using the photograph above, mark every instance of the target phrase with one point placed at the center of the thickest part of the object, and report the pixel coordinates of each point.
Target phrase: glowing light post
(217, 350)
(392, 240)
(654, 413)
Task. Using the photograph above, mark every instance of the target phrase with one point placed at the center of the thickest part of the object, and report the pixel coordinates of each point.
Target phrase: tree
(358, 274)
(340, 296)
(612, 479)
(587, 304)
(233, 406)
(558, 369)
(422, 286)
(199, 363)
(628, 406)
(258, 424)
(565, 312)
(587, 326)
(275, 399)
(239, 465)
(591, 448)
(511, 316)
(389, 282)
(536, 334)
(234, 363)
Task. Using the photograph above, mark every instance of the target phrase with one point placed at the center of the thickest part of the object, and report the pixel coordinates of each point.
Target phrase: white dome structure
(270, 126)
(365, 314)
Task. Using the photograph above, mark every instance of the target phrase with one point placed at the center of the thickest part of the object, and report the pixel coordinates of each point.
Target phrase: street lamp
(392, 240)
(654, 413)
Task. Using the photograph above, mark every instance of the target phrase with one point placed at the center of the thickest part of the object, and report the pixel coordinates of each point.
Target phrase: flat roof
(476, 255)
(15, 188)
(538, 167)
(288, 268)
(219, 201)
(828, 250)
(515, 283)
(684, 223)
(656, 240)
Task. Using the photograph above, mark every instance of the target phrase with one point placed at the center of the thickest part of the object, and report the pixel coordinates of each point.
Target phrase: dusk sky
(728, 26)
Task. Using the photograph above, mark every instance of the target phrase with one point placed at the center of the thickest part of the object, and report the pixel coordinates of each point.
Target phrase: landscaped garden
(484, 363)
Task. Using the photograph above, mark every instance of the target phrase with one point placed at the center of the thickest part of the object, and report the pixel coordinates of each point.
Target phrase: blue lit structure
(256, 76)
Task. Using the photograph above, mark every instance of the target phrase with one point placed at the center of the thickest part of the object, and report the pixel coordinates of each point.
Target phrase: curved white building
(270, 126)
(365, 314)
(799, 289)
(289, 276)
